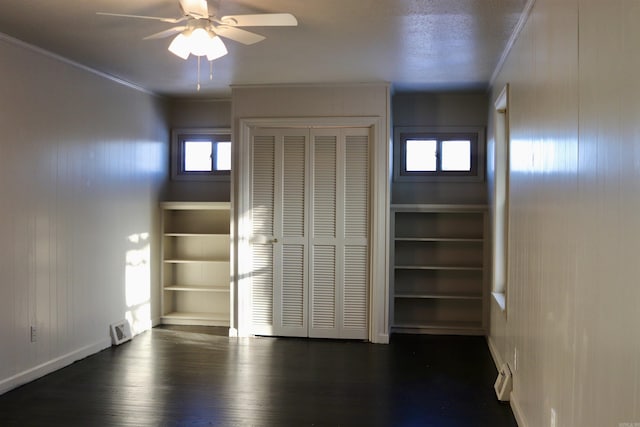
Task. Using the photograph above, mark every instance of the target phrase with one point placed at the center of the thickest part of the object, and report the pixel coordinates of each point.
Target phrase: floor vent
(503, 383)
(120, 332)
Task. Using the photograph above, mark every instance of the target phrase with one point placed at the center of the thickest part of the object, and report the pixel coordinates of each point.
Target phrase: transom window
(426, 154)
(431, 155)
(201, 154)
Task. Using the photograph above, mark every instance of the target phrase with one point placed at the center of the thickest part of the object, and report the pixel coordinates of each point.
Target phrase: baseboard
(495, 354)
(52, 365)
(517, 411)
(380, 339)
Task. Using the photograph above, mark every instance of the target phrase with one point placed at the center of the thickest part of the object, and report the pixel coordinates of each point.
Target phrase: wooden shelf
(439, 239)
(194, 261)
(439, 296)
(194, 318)
(436, 267)
(436, 208)
(196, 235)
(439, 258)
(465, 328)
(458, 325)
(195, 258)
(188, 288)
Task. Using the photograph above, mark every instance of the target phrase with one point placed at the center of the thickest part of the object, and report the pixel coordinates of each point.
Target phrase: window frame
(178, 138)
(501, 175)
(472, 133)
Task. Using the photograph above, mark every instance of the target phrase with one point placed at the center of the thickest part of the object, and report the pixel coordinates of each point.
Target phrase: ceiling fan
(202, 28)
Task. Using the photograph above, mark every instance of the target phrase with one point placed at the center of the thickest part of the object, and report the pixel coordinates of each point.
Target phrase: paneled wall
(82, 159)
(574, 236)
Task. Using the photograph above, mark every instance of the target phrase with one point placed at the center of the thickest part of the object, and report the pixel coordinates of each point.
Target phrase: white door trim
(379, 239)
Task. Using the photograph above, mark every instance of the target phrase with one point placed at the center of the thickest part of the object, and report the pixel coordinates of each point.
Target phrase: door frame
(379, 233)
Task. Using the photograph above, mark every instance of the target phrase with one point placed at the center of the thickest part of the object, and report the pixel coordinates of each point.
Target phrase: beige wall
(310, 101)
(444, 110)
(199, 113)
(82, 159)
(574, 235)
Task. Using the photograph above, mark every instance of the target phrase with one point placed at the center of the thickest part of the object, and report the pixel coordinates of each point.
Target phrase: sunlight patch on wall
(533, 156)
(138, 283)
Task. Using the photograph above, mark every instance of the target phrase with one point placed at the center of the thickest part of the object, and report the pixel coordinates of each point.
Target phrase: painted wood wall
(574, 238)
(82, 160)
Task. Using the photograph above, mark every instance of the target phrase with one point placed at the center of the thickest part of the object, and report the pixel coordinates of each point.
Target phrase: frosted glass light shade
(180, 46)
(215, 49)
(200, 42)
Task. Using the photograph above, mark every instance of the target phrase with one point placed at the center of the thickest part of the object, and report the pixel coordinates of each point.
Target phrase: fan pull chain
(198, 86)
(210, 70)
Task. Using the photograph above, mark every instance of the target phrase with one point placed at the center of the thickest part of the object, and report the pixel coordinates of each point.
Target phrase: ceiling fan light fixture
(180, 46)
(199, 41)
(215, 49)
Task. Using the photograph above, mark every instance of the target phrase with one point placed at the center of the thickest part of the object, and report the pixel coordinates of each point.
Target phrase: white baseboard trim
(52, 365)
(381, 339)
(517, 411)
(495, 354)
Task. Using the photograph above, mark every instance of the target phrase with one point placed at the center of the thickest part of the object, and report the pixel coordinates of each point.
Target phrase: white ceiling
(413, 44)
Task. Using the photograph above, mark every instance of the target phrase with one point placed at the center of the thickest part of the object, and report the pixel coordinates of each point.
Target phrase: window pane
(197, 156)
(421, 155)
(223, 156)
(456, 155)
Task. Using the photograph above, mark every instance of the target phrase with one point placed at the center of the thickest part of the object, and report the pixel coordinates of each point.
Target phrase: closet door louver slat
(356, 187)
(290, 307)
(262, 217)
(355, 275)
(355, 282)
(293, 313)
(293, 194)
(324, 187)
(262, 294)
(323, 303)
(263, 185)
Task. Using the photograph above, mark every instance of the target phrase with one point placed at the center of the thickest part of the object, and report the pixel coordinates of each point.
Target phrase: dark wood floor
(196, 377)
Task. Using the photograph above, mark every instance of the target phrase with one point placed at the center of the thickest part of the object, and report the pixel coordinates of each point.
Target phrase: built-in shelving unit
(439, 269)
(195, 263)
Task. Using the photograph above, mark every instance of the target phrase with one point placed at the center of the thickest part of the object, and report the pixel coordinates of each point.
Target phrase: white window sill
(500, 299)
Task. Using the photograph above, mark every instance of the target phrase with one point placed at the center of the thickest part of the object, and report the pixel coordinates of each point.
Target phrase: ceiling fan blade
(154, 18)
(166, 33)
(260, 20)
(196, 8)
(238, 35)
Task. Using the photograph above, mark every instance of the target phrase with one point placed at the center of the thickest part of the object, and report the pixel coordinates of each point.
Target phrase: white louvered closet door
(279, 243)
(310, 222)
(339, 228)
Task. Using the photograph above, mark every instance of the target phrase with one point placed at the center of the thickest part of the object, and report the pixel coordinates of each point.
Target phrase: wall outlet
(553, 421)
(515, 359)
(34, 336)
